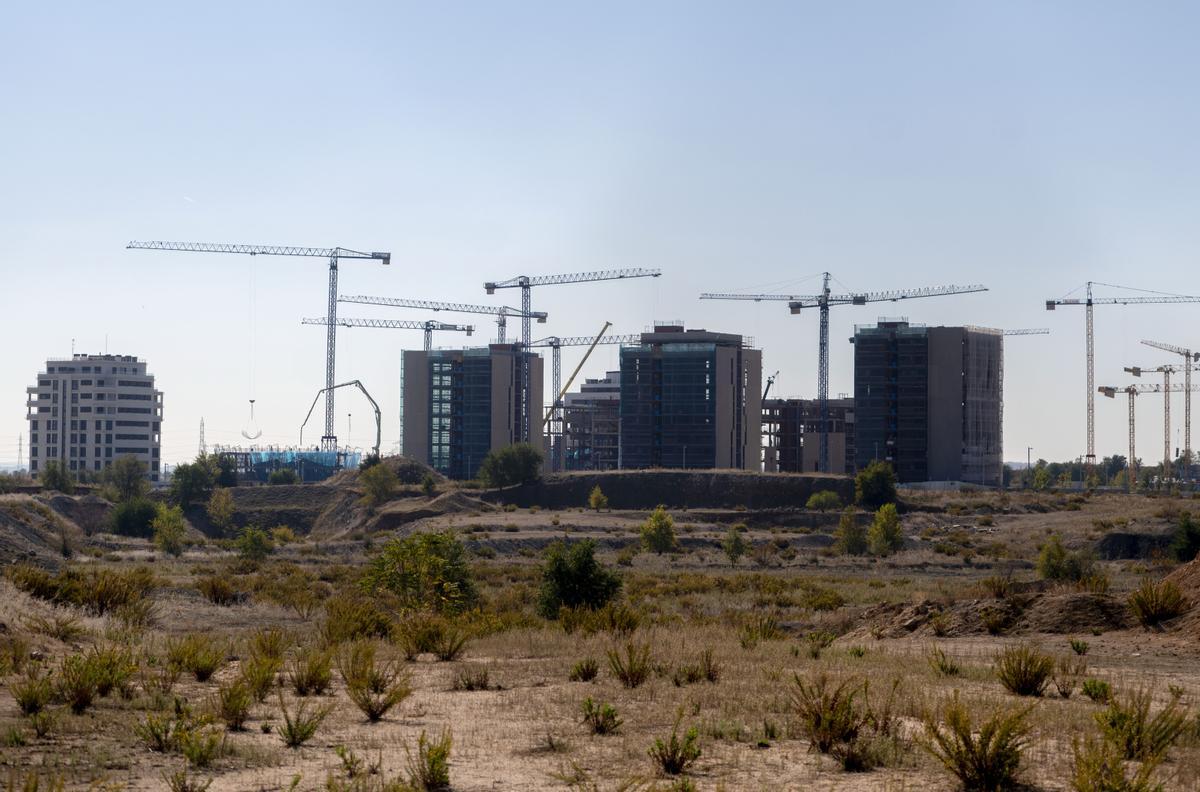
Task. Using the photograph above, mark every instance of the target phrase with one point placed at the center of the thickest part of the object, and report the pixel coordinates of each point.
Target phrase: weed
(997, 586)
(258, 673)
(180, 782)
(674, 755)
(43, 723)
(818, 641)
(762, 627)
(1079, 646)
(63, 627)
(14, 737)
(1154, 603)
(1127, 725)
(198, 743)
(157, 732)
(828, 713)
(76, 682)
(114, 667)
(300, 726)
(941, 663)
(634, 667)
(601, 718)
(34, 692)
(1067, 673)
(429, 768)
(375, 688)
(983, 762)
(1024, 670)
(310, 670)
(232, 704)
(468, 679)
(584, 671)
(1100, 767)
(857, 651)
(197, 653)
(1097, 690)
(430, 633)
(218, 590)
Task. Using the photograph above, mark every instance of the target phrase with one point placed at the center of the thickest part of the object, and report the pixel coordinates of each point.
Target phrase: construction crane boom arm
(1172, 348)
(435, 305)
(574, 277)
(1051, 304)
(571, 379)
(756, 297)
(1111, 390)
(261, 250)
(392, 324)
(553, 341)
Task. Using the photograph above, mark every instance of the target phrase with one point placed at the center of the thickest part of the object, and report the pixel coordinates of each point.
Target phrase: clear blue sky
(1026, 145)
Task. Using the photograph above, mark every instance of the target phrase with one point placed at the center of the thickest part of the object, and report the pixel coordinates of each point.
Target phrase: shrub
(987, 762)
(471, 679)
(519, 463)
(851, 537)
(885, 536)
(1079, 646)
(601, 718)
(1097, 690)
(282, 534)
(634, 667)
(258, 673)
(1128, 726)
(220, 508)
(98, 591)
(1054, 562)
(1186, 542)
(1024, 670)
(429, 768)
(169, 529)
(734, 545)
(218, 590)
(597, 500)
(1154, 603)
(425, 571)
(941, 663)
(33, 692)
(192, 481)
(1068, 672)
(823, 501)
(309, 671)
(429, 485)
(197, 653)
(997, 586)
(875, 485)
(658, 532)
(54, 476)
(584, 671)
(179, 781)
(113, 667)
(283, 476)
(133, 517)
(198, 743)
(300, 726)
(829, 715)
(379, 483)
(760, 627)
(674, 755)
(232, 704)
(65, 627)
(571, 577)
(373, 687)
(254, 544)
(349, 617)
(76, 682)
(1099, 767)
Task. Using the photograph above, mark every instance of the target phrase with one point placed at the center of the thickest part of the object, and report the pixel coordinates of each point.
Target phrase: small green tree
(1055, 562)
(220, 508)
(56, 477)
(380, 482)
(1186, 543)
(283, 476)
(850, 535)
(875, 485)
(429, 485)
(519, 463)
(734, 544)
(169, 529)
(133, 517)
(573, 578)
(597, 500)
(1041, 478)
(424, 571)
(191, 482)
(658, 532)
(127, 478)
(823, 501)
(254, 544)
(885, 536)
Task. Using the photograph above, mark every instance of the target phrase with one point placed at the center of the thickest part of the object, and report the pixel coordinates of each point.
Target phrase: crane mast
(822, 303)
(1189, 357)
(329, 439)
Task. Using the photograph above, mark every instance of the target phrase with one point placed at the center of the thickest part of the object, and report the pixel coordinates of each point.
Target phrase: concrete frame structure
(459, 404)
(87, 410)
(691, 399)
(791, 428)
(928, 400)
(592, 424)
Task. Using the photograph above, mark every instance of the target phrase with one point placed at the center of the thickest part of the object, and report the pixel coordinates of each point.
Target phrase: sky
(1027, 146)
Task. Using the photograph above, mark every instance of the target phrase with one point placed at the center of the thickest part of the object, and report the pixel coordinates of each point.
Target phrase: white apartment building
(87, 410)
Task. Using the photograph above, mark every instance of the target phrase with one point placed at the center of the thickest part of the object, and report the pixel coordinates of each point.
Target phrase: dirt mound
(1121, 545)
(399, 513)
(408, 471)
(89, 512)
(31, 531)
(1187, 577)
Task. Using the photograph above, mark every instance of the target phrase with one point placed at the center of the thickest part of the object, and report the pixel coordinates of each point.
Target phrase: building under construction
(592, 424)
(928, 401)
(691, 399)
(311, 464)
(791, 430)
(459, 404)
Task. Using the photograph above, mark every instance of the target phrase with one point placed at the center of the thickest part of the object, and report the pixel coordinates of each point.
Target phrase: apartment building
(87, 410)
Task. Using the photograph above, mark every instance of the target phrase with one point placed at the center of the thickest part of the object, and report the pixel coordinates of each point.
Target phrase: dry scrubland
(741, 655)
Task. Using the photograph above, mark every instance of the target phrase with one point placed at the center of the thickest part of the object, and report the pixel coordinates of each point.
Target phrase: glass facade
(668, 406)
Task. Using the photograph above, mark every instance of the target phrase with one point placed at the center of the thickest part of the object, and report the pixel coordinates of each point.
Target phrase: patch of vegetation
(584, 671)
(1154, 603)
(632, 667)
(875, 485)
(1023, 670)
(519, 463)
(597, 500)
(601, 718)
(310, 670)
(658, 532)
(169, 529)
(379, 483)
(133, 517)
(1054, 562)
(986, 759)
(1097, 690)
(254, 543)
(1185, 544)
(301, 725)
(283, 476)
(573, 578)
(824, 500)
(1128, 725)
(885, 536)
(424, 571)
(734, 545)
(1099, 766)
(851, 538)
(429, 767)
(197, 653)
(375, 688)
(675, 754)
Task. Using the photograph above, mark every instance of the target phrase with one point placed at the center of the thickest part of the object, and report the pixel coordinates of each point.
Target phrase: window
(108, 439)
(74, 424)
(33, 425)
(33, 452)
(33, 466)
(97, 428)
(33, 438)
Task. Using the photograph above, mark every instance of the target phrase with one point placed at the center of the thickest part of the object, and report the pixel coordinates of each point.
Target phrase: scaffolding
(311, 464)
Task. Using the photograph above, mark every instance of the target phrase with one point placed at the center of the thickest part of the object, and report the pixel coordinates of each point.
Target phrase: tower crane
(526, 283)
(501, 312)
(329, 439)
(770, 382)
(1167, 371)
(398, 324)
(1133, 391)
(822, 302)
(1089, 302)
(1189, 357)
(554, 415)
